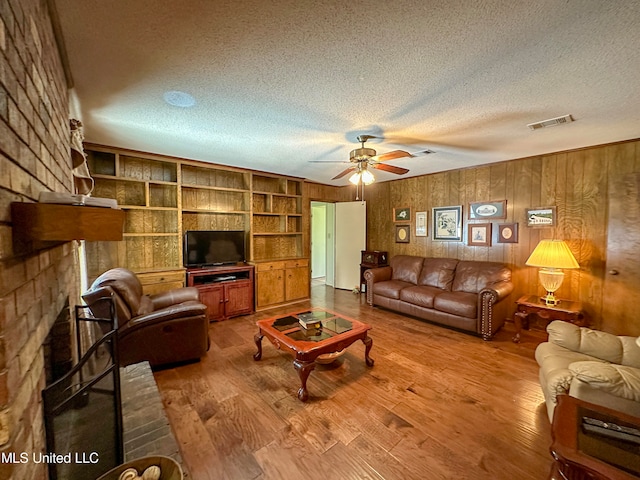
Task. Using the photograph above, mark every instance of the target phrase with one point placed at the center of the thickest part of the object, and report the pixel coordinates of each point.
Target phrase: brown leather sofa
(165, 328)
(466, 295)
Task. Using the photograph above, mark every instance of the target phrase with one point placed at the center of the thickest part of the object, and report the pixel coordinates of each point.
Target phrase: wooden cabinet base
(227, 291)
(282, 282)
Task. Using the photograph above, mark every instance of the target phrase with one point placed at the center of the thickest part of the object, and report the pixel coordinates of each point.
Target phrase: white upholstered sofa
(594, 366)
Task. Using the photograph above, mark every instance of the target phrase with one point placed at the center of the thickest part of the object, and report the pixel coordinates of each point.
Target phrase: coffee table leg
(303, 369)
(258, 339)
(368, 343)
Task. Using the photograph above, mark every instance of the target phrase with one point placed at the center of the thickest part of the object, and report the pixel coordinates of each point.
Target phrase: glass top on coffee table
(329, 324)
(310, 334)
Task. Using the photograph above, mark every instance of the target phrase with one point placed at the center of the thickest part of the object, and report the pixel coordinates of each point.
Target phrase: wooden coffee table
(306, 345)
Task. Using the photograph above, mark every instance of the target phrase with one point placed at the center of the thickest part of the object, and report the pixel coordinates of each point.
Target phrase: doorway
(338, 235)
(322, 243)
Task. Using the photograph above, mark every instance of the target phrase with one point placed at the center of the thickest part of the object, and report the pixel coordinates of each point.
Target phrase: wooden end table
(306, 345)
(566, 310)
(586, 454)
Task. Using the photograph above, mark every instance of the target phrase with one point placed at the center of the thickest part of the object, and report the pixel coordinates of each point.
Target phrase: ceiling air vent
(551, 122)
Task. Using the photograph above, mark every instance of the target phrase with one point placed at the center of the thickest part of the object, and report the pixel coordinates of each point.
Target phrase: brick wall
(34, 156)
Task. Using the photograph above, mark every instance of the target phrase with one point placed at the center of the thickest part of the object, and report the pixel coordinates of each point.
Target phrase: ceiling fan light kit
(364, 176)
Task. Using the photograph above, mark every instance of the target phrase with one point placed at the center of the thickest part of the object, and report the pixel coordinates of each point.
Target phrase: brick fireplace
(35, 287)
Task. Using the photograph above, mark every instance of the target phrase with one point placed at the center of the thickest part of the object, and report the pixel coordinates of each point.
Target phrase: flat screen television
(210, 247)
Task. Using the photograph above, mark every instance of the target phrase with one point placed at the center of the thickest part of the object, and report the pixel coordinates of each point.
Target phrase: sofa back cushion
(598, 344)
(406, 268)
(127, 289)
(472, 277)
(438, 272)
(100, 308)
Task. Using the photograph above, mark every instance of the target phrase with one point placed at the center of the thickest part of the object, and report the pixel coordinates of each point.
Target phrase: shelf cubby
(214, 178)
(151, 221)
(271, 247)
(124, 192)
(214, 200)
(147, 169)
(101, 163)
(214, 221)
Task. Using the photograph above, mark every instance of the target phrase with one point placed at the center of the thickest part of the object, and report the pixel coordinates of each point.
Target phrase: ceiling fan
(362, 158)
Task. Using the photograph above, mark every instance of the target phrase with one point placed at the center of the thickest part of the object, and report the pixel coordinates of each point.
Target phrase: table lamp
(551, 256)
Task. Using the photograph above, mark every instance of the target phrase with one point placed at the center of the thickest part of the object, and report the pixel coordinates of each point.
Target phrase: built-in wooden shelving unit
(163, 197)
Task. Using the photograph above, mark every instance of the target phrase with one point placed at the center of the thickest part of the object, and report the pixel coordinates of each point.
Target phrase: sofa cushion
(406, 268)
(390, 288)
(595, 343)
(630, 352)
(457, 303)
(438, 272)
(124, 283)
(618, 380)
(420, 295)
(101, 309)
(473, 276)
(146, 305)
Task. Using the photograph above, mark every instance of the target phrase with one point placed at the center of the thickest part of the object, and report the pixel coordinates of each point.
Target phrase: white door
(350, 240)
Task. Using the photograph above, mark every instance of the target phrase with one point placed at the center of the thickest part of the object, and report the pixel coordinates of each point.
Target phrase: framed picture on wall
(541, 217)
(507, 233)
(479, 235)
(402, 214)
(403, 233)
(447, 223)
(480, 210)
(421, 224)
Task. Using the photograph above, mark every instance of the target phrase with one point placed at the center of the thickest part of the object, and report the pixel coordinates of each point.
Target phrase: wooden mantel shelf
(50, 222)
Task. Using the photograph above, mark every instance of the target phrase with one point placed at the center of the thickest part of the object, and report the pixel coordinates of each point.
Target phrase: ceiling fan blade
(328, 161)
(390, 168)
(343, 173)
(392, 155)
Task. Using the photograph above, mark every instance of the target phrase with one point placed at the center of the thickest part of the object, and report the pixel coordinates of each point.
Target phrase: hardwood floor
(437, 404)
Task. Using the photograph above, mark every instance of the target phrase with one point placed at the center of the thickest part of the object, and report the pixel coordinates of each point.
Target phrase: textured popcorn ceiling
(279, 83)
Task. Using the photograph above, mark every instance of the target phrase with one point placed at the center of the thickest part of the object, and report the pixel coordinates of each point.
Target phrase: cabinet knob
(613, 272)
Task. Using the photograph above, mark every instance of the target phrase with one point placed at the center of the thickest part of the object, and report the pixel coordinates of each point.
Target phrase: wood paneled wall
(575, 182)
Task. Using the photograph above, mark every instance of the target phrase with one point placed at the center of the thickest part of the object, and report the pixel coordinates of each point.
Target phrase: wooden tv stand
(226, 290)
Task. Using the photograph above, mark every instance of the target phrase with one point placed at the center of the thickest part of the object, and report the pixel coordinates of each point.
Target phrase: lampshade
(551, 256)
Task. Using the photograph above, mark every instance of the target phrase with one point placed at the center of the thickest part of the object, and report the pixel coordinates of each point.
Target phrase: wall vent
(551, 122)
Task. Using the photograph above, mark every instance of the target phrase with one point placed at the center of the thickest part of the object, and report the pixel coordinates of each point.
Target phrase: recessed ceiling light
(179, 99)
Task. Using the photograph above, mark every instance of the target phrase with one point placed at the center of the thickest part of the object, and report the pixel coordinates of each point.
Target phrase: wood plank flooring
(437, 404)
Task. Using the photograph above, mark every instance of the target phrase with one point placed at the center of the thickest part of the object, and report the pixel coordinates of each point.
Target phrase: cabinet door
(213, 298)
(297, 282)
(238, 298)
(270, 287)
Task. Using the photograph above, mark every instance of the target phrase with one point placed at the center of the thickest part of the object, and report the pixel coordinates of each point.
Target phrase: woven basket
(170, 469)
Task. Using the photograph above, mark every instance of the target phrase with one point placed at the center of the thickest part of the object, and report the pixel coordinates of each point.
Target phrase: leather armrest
(379, 274)
(175, 312)
(499, 290)
(173, 297)
(373, 275)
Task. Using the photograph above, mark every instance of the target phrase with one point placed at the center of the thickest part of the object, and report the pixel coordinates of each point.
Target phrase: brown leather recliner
(168, 327)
